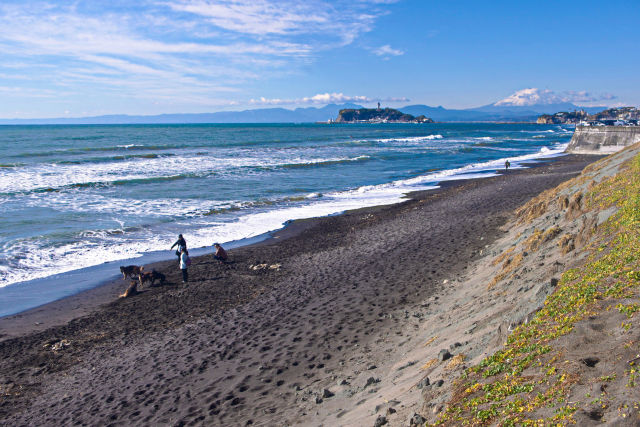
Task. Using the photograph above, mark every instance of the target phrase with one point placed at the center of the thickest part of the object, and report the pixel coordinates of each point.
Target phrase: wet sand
(323, 305)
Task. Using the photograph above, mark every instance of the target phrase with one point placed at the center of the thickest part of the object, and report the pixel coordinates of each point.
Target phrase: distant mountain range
(262, 115)
(487, 113)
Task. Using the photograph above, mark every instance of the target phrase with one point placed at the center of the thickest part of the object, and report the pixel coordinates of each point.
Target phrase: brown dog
(131, 290)
(151, 277)
(131, 271)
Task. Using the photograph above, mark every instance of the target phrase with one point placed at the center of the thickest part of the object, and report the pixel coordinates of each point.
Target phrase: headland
(378, 115)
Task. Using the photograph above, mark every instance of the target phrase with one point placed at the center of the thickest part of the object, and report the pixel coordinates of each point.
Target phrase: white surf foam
(95, 203)
(56, 176)
(411, 138)
(479, 168)
(36, 260)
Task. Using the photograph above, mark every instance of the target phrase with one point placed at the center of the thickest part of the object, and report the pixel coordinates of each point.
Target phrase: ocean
(73, 197)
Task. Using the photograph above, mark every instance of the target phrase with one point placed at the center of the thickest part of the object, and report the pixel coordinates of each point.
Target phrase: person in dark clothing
(221, 254)
(506, 165)
(181, 244)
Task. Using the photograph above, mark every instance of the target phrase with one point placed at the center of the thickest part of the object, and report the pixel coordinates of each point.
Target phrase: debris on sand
(55, 345)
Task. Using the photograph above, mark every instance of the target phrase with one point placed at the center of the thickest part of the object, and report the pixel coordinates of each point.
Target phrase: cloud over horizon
(324, 98)
(176, 52)
(92, 57)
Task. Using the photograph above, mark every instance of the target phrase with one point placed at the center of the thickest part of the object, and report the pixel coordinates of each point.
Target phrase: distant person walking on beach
(221, 254)
(506, 165)
(184, 265)
(181, 244)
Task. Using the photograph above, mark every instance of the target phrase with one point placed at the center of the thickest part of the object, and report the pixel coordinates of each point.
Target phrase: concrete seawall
(602, 139)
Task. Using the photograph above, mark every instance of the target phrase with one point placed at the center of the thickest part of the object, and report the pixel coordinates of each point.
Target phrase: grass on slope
(511, 386)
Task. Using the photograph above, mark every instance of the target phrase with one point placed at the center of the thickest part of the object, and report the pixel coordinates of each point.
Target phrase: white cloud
(190, 49)
(256, 16)
(30, 92)
(387, 51)
(584, 96)
(328, 98)
(317, 20)
(325, 98)
(535, 96)
(71, 35)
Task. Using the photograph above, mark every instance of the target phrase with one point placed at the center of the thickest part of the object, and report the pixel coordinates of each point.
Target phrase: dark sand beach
(280, 335)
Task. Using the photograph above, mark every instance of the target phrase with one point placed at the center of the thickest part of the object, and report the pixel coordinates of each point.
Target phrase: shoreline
(74, 282)
(260, 345)
(92, 293)
(15, 299)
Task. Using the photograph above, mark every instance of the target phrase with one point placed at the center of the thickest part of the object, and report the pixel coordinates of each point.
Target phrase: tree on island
(369, 115)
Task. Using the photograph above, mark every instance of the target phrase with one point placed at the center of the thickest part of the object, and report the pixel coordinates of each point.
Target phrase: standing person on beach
(184, 265)
(181, 244)
(506, 165)
(221, 254)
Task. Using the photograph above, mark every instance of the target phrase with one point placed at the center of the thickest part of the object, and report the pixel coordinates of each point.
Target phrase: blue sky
(83, 58)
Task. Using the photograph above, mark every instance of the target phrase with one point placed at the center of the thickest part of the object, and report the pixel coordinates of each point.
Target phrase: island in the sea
(378, 115)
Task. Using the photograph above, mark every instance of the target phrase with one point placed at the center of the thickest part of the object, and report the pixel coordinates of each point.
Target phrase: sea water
(73, 197)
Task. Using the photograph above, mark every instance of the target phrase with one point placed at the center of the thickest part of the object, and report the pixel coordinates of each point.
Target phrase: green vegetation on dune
(528, 381)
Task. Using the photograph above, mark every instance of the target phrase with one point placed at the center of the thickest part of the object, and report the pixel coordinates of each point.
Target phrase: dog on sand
(131, 290)
(151, 277)
(131, 271)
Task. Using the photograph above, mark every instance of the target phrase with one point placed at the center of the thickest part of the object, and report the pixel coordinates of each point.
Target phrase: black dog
(151, 277)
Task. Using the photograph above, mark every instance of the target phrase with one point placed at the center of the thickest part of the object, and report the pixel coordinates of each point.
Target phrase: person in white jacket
(184, 265)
